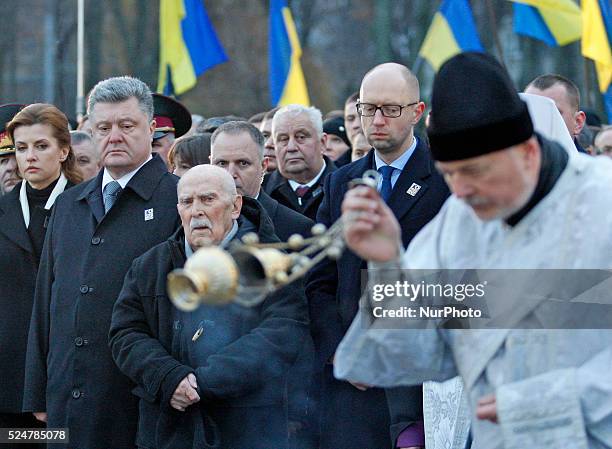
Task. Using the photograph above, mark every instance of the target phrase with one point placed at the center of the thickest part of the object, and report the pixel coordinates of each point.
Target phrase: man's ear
(579, 120)
(237, 206)
(323, 142)
(152, 127)
(418, 112)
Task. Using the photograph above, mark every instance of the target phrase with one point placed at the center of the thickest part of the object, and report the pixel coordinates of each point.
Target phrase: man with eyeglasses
(354, 415)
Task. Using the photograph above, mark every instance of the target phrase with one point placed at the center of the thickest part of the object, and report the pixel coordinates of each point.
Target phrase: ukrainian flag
(287, 83)
(597, 24)
(556, 22)
(452, 31)
(188, 45)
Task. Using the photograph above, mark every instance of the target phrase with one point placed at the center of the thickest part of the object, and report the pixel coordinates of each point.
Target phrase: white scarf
(23, 198)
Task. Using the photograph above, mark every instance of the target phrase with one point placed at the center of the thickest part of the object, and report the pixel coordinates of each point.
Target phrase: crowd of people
(93, 220)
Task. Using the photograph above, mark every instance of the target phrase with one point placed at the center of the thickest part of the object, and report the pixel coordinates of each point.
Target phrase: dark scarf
(554, 161)
(38, 215)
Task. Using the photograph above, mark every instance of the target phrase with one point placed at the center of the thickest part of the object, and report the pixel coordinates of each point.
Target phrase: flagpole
(587, 83)
(493, 23)
(80, 57)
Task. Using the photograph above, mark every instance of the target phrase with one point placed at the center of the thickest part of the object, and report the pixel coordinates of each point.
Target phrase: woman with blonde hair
(46, 163)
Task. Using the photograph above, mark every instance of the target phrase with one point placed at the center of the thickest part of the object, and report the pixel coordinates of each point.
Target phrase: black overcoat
(333, 290)
(18, 267)
(244, 355)
(286, 221)
(278, 188)
(70, 372)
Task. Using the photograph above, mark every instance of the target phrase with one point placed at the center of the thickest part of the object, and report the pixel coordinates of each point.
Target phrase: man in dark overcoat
(216, 374)
(354, 415)
(95, 232)
(298, 142)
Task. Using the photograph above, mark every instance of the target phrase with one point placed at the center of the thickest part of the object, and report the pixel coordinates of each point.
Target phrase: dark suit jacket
(333, 288)
(279, 189)
(286, 221)
(70, 372)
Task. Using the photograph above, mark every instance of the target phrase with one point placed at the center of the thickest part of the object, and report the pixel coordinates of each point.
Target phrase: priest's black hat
(475, 109)
(170, 116)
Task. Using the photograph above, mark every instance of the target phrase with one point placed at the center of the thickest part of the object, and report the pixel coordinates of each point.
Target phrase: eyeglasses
(387, 110)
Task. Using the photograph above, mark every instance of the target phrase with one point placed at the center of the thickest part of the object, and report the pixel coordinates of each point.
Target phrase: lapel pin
(148, 214)
(413, 190)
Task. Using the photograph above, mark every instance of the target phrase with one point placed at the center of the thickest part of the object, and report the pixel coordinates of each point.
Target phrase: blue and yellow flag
(597, 24)
(287, 83)
(556, 22)
(188, 45)
(452, 31)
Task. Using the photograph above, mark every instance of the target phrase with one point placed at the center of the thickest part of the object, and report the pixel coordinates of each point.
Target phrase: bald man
(235, 375)
(389, 107)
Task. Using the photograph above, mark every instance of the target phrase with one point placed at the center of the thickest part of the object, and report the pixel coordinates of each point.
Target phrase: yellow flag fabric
(595, 42)
(173, 52)
(295, 91)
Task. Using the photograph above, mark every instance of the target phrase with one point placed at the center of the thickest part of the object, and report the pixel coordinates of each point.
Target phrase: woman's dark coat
(18, 267)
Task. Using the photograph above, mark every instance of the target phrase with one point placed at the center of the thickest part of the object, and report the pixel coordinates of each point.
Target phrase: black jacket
(286, 221)
(18, 267)
(333, 288)
(70, 372)
(278, 188)
(240, 361)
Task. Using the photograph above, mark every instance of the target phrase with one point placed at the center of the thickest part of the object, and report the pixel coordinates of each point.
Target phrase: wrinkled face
(494, 185)
(269, 153)
(557, 93)
(389, 134)
(162, 146)
(87, 159)
(298, 146)
(352, 123)
(206, 211)
(9, 177)
(334, 147)
(122, 135)
(239, 155)
(39, 156)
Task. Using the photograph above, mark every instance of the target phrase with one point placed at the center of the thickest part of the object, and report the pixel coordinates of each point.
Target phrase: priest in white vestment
(520, 201)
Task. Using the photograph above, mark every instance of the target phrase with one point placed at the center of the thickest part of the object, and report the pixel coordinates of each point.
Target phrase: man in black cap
(9, 176)
(337, 146)
(519, 202)
(172, 120)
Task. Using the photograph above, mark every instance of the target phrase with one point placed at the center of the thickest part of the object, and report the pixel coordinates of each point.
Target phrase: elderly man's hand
(41, 416)
(185, 394)
(370, 228)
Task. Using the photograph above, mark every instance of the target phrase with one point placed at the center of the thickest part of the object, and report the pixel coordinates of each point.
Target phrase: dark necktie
(301, 193)
(109, 195)
(385, 189)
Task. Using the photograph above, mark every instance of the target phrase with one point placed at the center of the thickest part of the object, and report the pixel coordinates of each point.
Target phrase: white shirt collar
(401, 161)
(23, 198)
(106, 178)
(294, 185)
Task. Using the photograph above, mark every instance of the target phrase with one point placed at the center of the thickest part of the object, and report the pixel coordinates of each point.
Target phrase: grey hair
(234, 128)
(77, 137)
(293, 110)
(206, 173)
(119, 89)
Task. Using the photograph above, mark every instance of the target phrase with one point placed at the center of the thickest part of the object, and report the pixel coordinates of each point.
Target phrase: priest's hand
(487, 408)
(185, 394)
(370, 228)
(41, 416)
